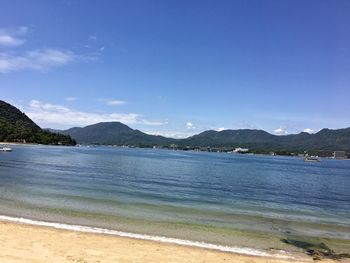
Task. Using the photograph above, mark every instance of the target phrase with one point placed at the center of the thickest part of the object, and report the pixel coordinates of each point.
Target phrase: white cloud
(189, 125)
(40, 60)
(308, 130)
(71, 99)
(35, 104)
(220, 129)
(112, 102)
(12, 37)
(7, 40)
(115, 102)
(281, 131)
(57, 116)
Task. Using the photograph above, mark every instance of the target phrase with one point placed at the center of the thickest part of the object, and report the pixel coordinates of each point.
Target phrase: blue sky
(177, 68)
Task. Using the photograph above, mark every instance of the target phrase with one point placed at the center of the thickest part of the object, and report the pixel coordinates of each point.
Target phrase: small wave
(87, 229)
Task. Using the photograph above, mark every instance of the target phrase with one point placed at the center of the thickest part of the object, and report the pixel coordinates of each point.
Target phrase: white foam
(87, 229)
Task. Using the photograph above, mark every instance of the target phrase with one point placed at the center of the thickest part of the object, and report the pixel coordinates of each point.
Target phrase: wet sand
(27, 243)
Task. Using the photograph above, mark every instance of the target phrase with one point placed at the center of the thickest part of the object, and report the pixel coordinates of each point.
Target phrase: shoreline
(278, 254)
(122, 146)
(34, 241)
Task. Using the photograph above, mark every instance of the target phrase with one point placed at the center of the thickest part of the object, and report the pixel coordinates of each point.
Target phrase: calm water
(217, 197)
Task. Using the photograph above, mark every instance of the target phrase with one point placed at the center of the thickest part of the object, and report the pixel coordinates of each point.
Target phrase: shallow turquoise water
(214, 197)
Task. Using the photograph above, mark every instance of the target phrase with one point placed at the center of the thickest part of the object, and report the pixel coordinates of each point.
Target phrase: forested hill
(15, 126)
(116, 133)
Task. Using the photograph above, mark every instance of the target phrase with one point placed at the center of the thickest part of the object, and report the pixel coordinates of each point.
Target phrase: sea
(242, 203)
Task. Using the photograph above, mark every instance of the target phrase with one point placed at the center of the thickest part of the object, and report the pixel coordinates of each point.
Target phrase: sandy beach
(27, 243)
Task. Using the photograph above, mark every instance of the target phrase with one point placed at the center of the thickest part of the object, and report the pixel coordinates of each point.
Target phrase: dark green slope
(326, 139)
(114, 133)
(15, 126)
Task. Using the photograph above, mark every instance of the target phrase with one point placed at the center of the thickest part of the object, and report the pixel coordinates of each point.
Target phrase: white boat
(5, 149)
(311, 158)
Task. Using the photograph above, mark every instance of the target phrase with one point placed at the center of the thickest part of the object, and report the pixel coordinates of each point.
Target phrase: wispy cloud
(299, 121)
(221, 129)
(12, 37)
(58, 116)
(112, 102)
(115, 102)
(171, 134)
(39, 60)
(280, 131)
(308, 130)
(71, 99)
(153, 123)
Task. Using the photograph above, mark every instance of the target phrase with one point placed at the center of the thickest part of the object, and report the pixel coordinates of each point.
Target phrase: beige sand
(26, 243)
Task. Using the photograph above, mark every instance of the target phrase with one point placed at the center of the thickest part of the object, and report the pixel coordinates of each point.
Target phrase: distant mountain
(15, 126)
(325, 139)
(245, 137)
(116, 133)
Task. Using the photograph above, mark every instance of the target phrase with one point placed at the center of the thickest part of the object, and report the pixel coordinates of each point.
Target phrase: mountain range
(15, 126)
(116, 133)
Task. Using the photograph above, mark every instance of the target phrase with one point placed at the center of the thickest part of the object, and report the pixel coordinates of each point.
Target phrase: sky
(177, 68)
